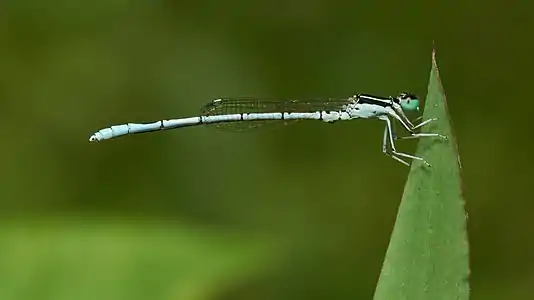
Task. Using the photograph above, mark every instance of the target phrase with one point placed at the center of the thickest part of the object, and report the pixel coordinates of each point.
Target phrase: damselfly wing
(226, 106)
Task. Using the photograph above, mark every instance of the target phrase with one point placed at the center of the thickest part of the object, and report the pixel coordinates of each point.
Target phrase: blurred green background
(303, 212)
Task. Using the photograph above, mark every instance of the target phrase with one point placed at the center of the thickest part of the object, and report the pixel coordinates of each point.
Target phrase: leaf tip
(434, 62)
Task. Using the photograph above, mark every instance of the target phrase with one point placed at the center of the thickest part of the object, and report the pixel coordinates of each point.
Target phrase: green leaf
(427, 257)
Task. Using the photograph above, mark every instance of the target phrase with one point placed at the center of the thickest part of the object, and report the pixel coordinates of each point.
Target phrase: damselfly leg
(418, 135)
(389, 134)
(385, 148)
(424, 122)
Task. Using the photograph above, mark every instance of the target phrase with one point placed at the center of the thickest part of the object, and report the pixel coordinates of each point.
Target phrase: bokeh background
(301, 212)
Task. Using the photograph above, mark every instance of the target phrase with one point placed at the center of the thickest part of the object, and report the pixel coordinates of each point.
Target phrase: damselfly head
(408, 101)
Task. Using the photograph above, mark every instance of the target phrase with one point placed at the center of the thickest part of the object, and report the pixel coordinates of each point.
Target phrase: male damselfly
(253, 112)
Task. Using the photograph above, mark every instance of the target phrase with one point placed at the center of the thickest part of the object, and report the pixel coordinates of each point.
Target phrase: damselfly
(252, 112)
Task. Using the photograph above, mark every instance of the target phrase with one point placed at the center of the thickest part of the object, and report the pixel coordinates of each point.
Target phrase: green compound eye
(409, 102)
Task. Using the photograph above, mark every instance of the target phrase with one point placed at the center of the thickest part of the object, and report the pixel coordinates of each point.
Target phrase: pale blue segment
(174, 123)
(118, 130)
(263, 116)
(221, 118)
(124, 129)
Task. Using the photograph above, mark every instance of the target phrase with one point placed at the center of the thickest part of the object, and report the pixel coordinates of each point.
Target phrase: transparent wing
(258, 105)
